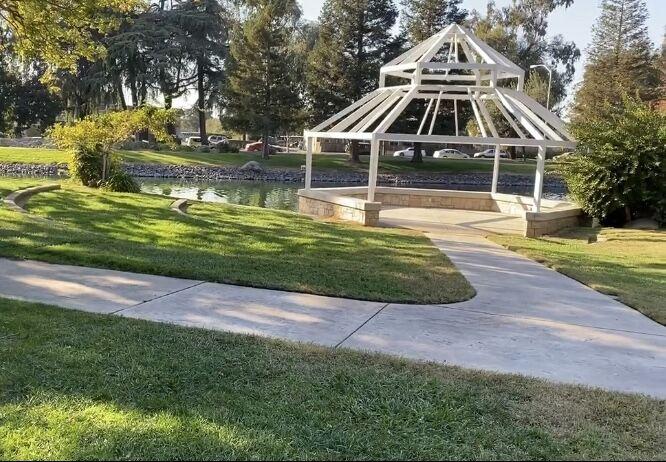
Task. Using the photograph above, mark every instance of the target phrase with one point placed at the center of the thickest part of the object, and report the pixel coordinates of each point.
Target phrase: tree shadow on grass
(95, 387)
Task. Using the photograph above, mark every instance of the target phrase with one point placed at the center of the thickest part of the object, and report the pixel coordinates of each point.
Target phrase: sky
(574, 23)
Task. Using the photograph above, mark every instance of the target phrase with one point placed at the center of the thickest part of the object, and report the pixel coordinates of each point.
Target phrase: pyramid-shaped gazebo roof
(452, 67)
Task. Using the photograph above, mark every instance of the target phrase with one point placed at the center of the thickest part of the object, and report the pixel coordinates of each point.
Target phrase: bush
(86, 165)
(92, 139)
(121, 181)
(619, 169)
(227, 148)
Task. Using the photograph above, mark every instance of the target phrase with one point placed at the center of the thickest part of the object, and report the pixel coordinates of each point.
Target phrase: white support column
(496, 167)
(455, 113)
(308, 162)
(374, 165)
(538, 181)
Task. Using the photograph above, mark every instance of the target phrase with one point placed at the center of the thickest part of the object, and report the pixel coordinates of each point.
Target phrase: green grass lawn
(630, 264)
(231, 244)
(289, 161)
(82, 386)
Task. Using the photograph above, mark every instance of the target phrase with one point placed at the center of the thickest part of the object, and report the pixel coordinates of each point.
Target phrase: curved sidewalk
(525, 319)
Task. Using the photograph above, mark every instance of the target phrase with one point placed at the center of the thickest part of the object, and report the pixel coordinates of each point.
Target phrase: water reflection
(280, 196)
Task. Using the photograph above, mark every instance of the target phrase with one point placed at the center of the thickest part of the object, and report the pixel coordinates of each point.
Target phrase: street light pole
(550, 81)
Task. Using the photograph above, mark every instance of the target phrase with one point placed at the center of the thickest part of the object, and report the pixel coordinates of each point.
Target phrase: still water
(273, 195)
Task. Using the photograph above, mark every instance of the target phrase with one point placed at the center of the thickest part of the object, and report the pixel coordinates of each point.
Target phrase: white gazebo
(450, 69)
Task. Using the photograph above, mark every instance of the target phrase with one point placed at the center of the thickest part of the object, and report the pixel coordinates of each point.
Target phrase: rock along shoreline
(212, 174)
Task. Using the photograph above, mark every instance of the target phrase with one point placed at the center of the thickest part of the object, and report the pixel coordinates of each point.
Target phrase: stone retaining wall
(340, 207)
(350, 204)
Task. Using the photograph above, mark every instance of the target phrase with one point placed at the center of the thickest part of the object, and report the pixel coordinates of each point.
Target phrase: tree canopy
(61, 32)
(621, 59)
(261, 94)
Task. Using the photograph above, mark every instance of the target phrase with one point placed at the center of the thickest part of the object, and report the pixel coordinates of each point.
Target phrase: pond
(280, 196)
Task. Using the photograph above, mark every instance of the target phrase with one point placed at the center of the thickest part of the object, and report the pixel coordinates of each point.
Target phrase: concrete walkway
(525, 319)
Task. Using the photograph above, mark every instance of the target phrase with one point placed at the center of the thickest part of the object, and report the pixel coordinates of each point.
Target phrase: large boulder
(252, 166)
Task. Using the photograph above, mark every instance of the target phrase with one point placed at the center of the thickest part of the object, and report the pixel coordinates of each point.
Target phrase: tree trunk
(354, 156)
(201, 104)
(265, 148)
(418, 154)
(121, 94)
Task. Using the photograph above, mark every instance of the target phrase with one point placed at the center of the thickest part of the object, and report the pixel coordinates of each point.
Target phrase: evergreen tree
(620, 59)
(262, 95)
(421, 19)
(354, 41)
(205, 26)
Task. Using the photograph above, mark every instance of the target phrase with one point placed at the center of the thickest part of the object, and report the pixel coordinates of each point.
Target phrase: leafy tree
(25, 100)
(92, 139)
(619, 169)
(620, 59)
(262, 93)
(61, 32)
(355, 40)
(520, 32)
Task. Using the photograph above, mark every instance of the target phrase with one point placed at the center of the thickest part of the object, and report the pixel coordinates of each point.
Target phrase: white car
(490, 154)
(450, 154)
(408, 153)
(214, 140)
(193, 141)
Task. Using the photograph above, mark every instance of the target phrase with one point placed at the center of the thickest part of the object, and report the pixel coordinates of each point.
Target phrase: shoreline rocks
(212, 174)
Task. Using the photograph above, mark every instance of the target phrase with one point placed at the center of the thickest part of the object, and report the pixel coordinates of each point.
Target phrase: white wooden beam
(372, 171)
(397, 110)
(308, 162)
(508, 118)
(360, 112)
(371, 118)
(425, 117)
(538, 180)
(524, 121)
(346, 111)
(477, 116)
(496, 165)
(434, 114)
(487, 117)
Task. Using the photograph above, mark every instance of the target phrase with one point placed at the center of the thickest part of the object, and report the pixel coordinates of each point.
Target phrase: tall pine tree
(421, 19)
(354, 41)
(262, 95)
(620, 59)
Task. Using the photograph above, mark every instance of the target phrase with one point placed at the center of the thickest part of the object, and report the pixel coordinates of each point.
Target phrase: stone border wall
(17, 200)
(350, 204)
(323, 204)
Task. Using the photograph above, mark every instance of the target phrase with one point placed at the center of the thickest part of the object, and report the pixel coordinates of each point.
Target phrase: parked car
(193, 141)
(214, 140)
(490, 154)
(450, 154)
(408, 153)
(259, 146)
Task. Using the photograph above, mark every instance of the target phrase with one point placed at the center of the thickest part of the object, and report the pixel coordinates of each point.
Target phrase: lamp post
(550, 80)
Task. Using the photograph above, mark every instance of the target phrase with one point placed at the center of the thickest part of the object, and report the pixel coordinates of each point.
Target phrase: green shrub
(92, 140)
(227, 148)
(619, 169)
(121, 181)
(86, 165)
